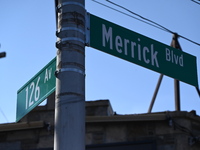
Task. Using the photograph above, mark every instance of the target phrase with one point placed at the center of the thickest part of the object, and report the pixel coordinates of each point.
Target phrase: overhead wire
(128, 15)
(141, 16)
(3, 114)
(147, 21)
(153, 22)
(195, 2)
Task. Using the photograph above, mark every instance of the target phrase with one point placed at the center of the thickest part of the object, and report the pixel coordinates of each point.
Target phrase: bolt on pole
(69, 131)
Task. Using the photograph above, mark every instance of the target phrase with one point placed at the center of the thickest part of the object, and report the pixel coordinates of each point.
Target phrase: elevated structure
(106, 130)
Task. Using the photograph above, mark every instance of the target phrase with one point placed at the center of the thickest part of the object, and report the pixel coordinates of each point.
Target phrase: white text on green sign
(36, 90)
(141, 50)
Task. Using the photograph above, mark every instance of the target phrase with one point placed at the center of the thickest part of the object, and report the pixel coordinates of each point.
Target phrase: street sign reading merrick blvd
(141, 50)
(36, 90)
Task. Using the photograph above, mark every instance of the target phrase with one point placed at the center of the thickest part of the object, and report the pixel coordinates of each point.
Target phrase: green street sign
(141, 50)
(36, 90)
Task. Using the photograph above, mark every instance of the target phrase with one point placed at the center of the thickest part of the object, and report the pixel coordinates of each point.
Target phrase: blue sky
(27, 34)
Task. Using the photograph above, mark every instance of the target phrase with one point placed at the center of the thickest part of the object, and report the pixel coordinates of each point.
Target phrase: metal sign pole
(175, 44)
(70, 76)
(198, 91)
(155, 93)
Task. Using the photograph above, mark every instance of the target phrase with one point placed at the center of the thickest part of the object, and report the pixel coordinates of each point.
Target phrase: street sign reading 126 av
(36, 90)
(136, 48)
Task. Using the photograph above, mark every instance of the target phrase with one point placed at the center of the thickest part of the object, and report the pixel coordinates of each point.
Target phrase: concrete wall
(164, 133)
(106, 130)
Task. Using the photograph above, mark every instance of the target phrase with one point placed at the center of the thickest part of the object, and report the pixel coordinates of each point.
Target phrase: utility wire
(195, 2)
(128, 15)
(167, 30)
(141, 16)
(189, 40)
(4, 115)
(152, 23)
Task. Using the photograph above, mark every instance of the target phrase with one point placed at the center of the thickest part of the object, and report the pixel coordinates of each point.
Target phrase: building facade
(106, 130)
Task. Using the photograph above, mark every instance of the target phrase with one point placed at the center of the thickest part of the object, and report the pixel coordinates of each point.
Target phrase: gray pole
(155, 93)
(175, 44)
(70, 82)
